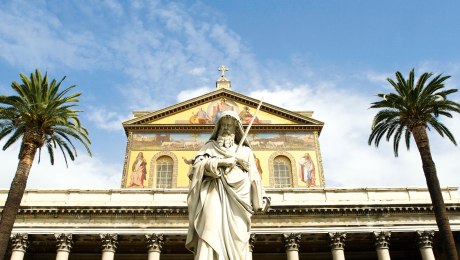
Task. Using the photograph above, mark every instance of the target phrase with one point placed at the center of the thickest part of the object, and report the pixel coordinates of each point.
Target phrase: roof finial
(223, 82)
(222, 70)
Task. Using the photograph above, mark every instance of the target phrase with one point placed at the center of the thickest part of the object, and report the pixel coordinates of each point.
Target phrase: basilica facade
(147, 217)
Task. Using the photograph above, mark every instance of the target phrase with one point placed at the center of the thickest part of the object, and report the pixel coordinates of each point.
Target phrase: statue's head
(229, 124)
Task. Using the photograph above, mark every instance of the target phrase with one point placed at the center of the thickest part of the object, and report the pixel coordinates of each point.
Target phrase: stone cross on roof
(223, 82)
(222, 70)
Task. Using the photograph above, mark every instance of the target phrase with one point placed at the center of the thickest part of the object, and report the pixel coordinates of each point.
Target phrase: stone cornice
(209, 128)
(274, 210)
(59, 211)
(141, 122)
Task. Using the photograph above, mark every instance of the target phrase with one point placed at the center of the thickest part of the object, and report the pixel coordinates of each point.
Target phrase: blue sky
(331, 57)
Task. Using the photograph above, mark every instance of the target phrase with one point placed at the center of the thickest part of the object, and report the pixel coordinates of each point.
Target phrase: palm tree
(39, 115)
(414, 108)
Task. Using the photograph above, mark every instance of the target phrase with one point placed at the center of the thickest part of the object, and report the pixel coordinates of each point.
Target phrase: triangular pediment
(205, 109)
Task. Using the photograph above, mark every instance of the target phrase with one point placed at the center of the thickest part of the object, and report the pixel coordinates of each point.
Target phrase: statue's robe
(221, 202)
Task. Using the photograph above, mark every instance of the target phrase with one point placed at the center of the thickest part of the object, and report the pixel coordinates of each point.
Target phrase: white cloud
(107, 120)
(227, 39)
(174, 49)
(197, 71)
(347, 158)
(156, 49)
(377, 77)
(30, 37)
(192, 93)
(115, 6)
(83, 173)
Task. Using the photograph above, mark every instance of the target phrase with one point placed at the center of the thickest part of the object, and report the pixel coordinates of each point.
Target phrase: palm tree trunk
(13, 201)
(434, 188)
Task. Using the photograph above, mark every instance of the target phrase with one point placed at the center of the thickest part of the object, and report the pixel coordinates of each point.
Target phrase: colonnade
(381, 242)
(64, 242)
(154, 243)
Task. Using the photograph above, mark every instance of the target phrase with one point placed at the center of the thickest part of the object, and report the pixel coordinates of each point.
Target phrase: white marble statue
(225, 190)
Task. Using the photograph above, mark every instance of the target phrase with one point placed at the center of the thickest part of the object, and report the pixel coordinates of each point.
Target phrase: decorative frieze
(109, 242)
(155, 242)
(20, 242)
(382, 239)
(291, 241)
(337, 240)
(425, 239)
(182, 210)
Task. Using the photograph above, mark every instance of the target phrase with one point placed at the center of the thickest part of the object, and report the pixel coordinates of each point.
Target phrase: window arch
(282, 170)
(163, 171)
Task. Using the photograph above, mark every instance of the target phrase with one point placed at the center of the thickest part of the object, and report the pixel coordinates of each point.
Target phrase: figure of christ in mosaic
(225, 190)
(221, 107)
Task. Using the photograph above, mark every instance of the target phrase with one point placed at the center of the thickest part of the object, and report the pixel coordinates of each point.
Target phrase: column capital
(19, 242)
(154, 242)
(291, 241)
(337, 240)
(382, 239)
(64, 242)
(425, 239)
(252, 241)
(109, 242)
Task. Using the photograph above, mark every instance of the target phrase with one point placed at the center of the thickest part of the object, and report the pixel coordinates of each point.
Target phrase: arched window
(282, 172)
(164, 172)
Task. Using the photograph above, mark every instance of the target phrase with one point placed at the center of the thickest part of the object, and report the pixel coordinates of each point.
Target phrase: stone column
(252, 241)
(19, 245)
(382, 242)
(425, 244)
(337, 244)
(154, 246)
(109, 245)
(291, 243)
(64, 243)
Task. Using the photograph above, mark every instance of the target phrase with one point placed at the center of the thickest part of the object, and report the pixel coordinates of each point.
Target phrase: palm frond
(43, 107)
(412, 105)
(5, 131)
(16, 134)
(50, 149)
(421, 81)
(407, 135)
(397, 139)
(442, 130)
(62, 138)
